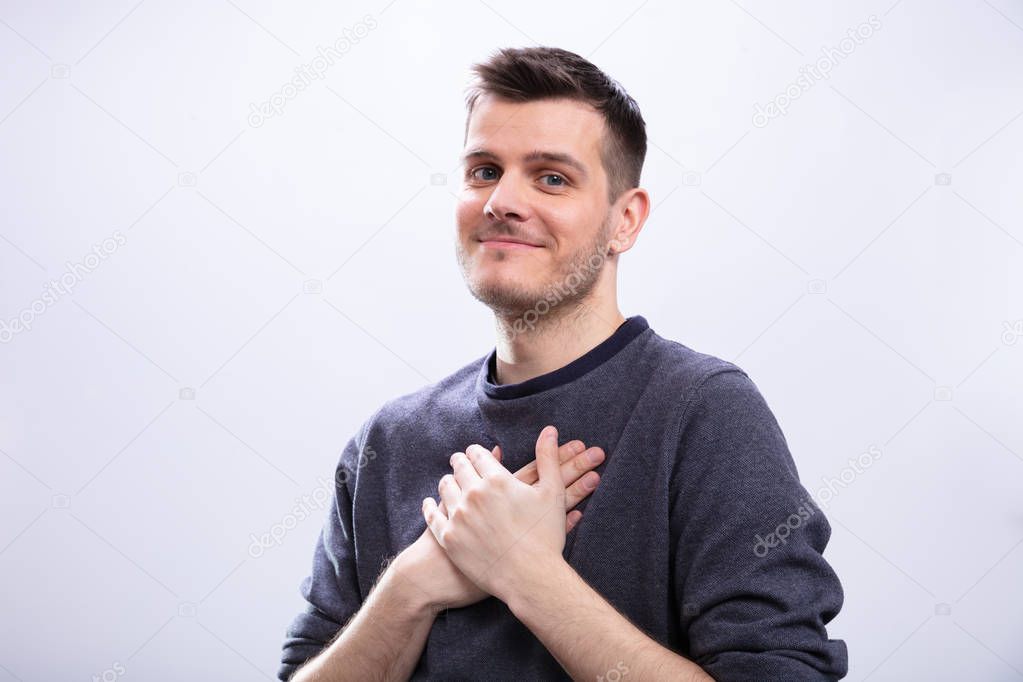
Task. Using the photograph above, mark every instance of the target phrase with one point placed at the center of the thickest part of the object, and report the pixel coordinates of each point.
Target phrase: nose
(506, 201)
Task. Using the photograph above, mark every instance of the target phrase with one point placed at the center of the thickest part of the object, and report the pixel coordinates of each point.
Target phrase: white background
(128, 511)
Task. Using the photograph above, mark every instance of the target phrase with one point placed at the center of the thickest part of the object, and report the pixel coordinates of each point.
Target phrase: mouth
(507, 244)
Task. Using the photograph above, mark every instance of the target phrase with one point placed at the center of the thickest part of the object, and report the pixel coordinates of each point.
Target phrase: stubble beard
(512, 300)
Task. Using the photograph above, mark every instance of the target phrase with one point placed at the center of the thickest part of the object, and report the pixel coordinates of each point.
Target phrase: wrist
(534, 583)
(400, 576)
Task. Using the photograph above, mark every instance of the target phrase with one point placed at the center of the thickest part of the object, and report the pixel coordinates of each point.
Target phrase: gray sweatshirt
(699, 532)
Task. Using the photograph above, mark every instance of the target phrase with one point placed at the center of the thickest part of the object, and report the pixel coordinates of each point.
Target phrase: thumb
(548, 465)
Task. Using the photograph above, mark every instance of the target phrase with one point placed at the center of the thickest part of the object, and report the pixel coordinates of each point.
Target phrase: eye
(555, 175)
(474, 173)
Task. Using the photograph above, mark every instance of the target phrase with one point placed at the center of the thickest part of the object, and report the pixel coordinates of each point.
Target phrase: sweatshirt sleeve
(331, 590)
(754, 591)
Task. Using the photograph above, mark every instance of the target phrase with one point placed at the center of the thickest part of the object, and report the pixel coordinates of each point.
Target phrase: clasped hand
(494, 531)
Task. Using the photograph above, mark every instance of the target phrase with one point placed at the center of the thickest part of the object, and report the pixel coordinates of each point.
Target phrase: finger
(528, 474)
(566, 452)
(464, 472)
(449, 491)
(435, 520)
(572, 519)
(547, 463)
(571, 470)
(572, 447)
(578, 491)
(585, 461)
(484, 463)
(496, 452)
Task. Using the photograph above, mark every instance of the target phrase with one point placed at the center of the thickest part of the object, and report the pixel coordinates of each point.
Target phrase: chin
(505, 294)
(506, 285)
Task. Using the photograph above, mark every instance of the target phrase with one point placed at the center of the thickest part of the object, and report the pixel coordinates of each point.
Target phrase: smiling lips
(507, 243)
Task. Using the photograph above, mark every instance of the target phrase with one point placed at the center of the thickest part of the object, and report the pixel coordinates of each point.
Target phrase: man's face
(556, 204)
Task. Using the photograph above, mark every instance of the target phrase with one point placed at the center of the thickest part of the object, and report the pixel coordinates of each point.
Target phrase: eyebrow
(535, 155)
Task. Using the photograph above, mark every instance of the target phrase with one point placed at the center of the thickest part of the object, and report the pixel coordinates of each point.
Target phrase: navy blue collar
(626, 332)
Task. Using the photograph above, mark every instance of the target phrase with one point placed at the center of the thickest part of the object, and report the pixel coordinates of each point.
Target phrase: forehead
(556, 125)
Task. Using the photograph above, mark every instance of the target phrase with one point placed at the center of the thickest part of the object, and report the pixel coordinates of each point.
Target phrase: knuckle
(457, 515)
(473, 496)
(577, 491)
(581, 463)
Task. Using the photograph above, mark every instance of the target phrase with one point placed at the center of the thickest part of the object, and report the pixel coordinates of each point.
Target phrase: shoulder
(445, 397)
(449, 392)
(690, 374)
(714, 400)
(722, 423)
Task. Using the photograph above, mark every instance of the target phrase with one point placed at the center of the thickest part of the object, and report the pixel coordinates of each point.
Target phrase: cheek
(468, 211)
(574, 228)
(565, 229)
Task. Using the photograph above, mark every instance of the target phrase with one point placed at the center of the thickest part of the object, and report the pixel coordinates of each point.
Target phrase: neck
(551, 341)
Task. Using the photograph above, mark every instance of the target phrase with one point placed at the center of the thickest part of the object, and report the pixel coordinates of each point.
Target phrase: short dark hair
(535, 73)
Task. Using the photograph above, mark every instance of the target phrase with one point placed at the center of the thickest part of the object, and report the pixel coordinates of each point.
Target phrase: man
(683, 563)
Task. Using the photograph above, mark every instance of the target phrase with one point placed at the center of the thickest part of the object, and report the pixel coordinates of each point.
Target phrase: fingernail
(594, 456)
(591, 482)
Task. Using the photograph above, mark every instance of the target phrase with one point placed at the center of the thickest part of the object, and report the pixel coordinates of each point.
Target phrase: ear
(630, 214)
